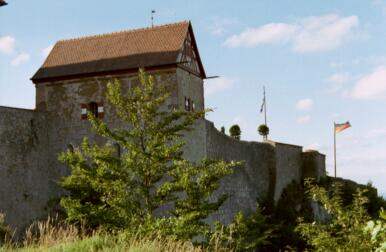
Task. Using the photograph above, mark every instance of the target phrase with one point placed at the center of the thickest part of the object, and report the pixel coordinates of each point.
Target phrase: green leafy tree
(346, 228)
(377, 229)
(117, 191)
(235, 131)
(263, 130)
(244, 233)
(198, 182)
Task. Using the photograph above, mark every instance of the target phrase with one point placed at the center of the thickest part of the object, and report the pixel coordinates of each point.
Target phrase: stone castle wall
(251, 182)
(27, 182)
(30, 141)
(268, 168)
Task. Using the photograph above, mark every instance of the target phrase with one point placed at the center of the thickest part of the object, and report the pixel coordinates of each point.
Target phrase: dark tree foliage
(235, 131)
(250, 232)
(348, 228)
(263, 130)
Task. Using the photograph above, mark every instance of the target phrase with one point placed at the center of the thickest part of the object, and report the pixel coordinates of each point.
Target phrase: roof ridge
(125, 31)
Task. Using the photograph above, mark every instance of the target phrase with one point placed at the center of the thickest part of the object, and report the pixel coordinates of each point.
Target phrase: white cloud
(323, 33)
(376, 133)
(217, 85)
(266, 34)
(7, 44)
(305, 104)
(312, 34)
(303, 119)
(371, 86)
(47, 50)
(220, 26)
(339, 78)
(337, 81)
(20, 59)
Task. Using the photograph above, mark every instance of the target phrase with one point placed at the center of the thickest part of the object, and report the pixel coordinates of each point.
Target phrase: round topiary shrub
(235, 131)
(263, 130)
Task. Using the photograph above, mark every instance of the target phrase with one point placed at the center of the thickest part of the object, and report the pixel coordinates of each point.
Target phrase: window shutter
(101, 111)
(83, 111)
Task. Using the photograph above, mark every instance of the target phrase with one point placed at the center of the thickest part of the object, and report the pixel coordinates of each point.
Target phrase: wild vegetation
(347, 227)
(138, 193)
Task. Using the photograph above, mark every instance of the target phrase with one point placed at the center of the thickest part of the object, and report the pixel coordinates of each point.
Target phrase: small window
(187, 104)
(83, 112)
(93, 108)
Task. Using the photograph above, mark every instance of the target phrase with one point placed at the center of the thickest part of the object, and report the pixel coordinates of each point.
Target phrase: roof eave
(38, 80)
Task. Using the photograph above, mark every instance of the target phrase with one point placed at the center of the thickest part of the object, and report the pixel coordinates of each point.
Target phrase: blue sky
(321, 61)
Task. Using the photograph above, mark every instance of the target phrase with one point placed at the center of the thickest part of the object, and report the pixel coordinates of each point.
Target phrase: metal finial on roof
(152, 18)
(3, 3)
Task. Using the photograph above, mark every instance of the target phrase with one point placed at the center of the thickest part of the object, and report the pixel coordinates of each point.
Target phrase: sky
(320, 61)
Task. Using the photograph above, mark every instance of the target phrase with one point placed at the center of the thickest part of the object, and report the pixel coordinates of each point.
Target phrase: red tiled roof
(156, 46)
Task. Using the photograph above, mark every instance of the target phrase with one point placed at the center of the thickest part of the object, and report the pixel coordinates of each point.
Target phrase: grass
(111, 243)
(53, 235)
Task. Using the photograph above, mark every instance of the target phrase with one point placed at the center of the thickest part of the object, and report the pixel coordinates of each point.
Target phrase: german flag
(342, 126)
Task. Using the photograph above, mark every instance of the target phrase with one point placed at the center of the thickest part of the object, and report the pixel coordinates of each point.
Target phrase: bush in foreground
(348, 228)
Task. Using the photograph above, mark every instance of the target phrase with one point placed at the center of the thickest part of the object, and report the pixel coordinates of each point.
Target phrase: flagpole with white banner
(334, 150)
(265, 108)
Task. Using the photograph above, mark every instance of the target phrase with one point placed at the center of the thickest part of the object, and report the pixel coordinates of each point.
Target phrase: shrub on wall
(263, 130)
(235, 131)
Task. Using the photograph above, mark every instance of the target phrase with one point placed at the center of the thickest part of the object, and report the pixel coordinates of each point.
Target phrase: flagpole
(265, 108)
(334, 150)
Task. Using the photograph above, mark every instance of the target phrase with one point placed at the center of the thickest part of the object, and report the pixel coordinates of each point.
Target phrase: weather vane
(152, 17)
(3, 3)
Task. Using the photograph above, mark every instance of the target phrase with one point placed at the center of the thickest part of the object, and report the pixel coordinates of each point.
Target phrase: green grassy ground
(104, 243)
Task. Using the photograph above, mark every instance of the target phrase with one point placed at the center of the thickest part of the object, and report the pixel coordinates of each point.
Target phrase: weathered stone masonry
(75, 74)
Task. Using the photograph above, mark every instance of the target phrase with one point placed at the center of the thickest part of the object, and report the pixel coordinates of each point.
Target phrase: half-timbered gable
(189, 56)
